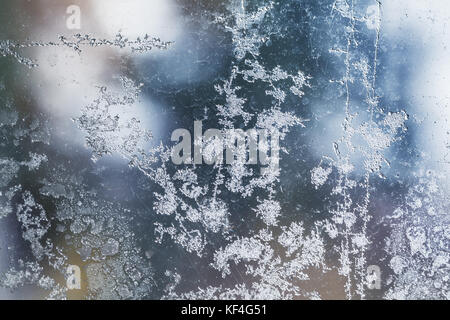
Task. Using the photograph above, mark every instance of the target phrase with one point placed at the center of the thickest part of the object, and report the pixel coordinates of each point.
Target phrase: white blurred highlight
(136, 17)
(424, 27)
(65, 81)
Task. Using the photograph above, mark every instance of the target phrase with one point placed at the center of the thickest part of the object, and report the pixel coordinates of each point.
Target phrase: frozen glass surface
(236, 149)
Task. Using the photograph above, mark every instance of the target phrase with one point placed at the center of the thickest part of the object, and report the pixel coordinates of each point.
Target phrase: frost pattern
(138, 45)
(234, 222)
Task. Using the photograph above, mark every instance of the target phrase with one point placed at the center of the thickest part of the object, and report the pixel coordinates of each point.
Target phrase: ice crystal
(78, 41)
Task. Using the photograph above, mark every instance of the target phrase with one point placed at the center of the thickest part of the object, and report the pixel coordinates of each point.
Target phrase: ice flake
(319, 176)
(269, 210)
